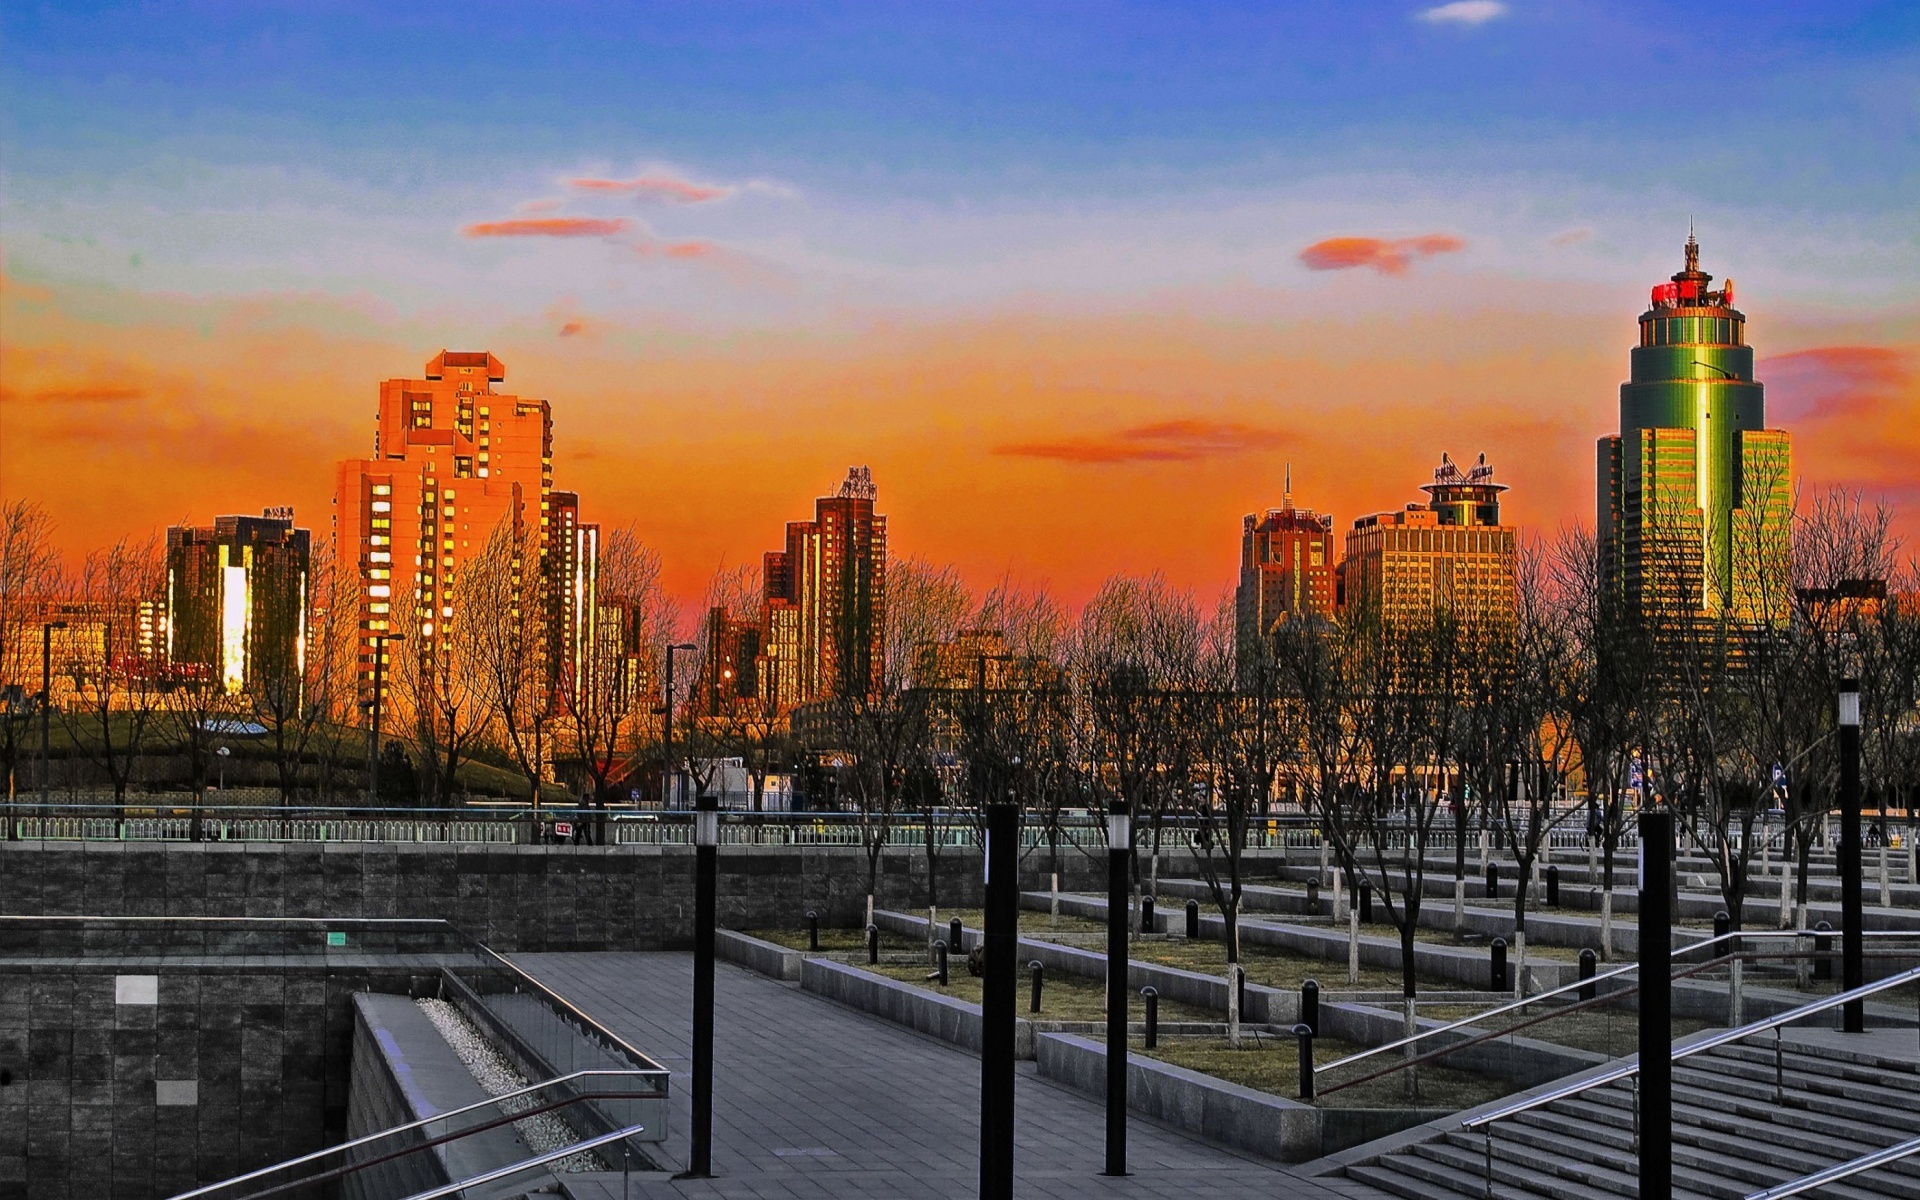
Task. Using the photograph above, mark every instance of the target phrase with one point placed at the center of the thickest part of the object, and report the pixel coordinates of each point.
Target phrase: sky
(1078, 281)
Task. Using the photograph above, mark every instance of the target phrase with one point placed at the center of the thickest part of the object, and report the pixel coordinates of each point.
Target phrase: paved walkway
(816, 1100)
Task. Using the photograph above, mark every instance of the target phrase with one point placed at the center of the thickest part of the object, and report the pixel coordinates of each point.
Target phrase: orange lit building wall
(453, 458)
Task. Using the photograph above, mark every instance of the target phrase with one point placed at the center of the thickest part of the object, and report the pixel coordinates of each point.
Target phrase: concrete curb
(942, 1017)
(768, 958)
(1227, 1113)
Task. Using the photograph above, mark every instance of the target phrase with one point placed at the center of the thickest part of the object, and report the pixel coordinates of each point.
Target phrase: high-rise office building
(237, 602)
(824, 617)
(1694, 492)
(452, 459)
(573, 581)
(1450, 554)
(1286, 570)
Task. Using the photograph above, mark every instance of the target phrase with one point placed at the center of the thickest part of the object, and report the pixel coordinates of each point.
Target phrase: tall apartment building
(1286, 570)
(1694, 492)
(1450, 553)
(237, 601)
(452, 459)
(824, 617)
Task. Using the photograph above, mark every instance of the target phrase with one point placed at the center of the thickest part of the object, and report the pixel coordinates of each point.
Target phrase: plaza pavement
(814, 1100)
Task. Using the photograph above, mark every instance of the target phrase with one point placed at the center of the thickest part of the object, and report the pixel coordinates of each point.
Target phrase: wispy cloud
(1835, 381)
(545, 204)
(1463, 12)
(548, 227)
(92, 393)
(1389, 257)
(1571, 237)
(1184, 440)
(682, 250)
(657, 187)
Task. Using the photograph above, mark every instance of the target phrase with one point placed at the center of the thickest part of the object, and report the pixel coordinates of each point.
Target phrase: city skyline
(1036, 281)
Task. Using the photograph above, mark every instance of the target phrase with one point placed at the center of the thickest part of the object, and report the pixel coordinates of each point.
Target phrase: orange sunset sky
(1072, 334)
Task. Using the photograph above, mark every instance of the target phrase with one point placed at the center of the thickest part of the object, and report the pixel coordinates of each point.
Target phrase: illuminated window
(383, 489)
(381, 506)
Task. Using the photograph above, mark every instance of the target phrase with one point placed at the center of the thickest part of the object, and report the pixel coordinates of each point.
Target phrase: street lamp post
(706, 842)
(1119, 847)
(666, 731)
(46, 711)
(379, 641)
(1655, 1097)
(223, 753)
(1001, 946)
(1852, 973)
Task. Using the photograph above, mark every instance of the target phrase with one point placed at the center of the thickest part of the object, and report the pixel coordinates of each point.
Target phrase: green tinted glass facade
(1691, 394)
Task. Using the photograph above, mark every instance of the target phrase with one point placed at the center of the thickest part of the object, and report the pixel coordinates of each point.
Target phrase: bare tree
(502, 630)
(29, 578)
(441, 692)
(605, 693)
(117, 696)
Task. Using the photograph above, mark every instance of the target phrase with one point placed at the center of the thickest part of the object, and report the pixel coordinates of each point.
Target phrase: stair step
(1385, 1176)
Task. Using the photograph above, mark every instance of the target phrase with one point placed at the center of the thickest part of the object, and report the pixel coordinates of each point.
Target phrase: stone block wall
(511, 897)
(135, 1081)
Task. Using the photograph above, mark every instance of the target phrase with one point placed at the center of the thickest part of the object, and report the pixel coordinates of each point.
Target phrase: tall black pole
(1656, 1002)
(666, 738)
(1852, 970)
(1119, 848)
(706, 839)
(373, 724)
(46, 711)
(996, 1001)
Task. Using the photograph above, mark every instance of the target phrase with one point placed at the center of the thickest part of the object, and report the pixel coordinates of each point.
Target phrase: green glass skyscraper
(1695, 492)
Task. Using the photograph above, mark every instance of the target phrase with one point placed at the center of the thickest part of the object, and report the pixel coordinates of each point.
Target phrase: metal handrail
(507, 1172)
(1833, 1174)
(1590, 981)
(1725, 1037)
(370, 1138)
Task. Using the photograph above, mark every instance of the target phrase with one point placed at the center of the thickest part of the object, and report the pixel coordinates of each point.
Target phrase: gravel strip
(543, 1132)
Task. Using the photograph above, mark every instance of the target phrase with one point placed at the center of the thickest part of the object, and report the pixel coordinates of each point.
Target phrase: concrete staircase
(1846, 1095)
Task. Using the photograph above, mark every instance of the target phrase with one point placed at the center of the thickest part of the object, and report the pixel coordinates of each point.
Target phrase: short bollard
(1722, 924)
(813, 930)
(1822, 951)
(1497, 978)
(1310, 1005)
(1240, 986)
(1313, 897)
(957, 936)
(1039, 981)
(1152, 999)
(940, 959)
(1553, 887)
(1493, 881)
(1366, 902)
(1146, 914)
(1304, 1033)
(873, 944)
(1193, 920)
(1589, 963)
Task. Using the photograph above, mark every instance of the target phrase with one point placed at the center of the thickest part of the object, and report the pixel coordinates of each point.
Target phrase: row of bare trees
(488, 684)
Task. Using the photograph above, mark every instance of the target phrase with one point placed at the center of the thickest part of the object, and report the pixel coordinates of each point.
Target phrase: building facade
(1694, 492)
(824, 616)
(237, 602)
(1286, 570)
(1450, 554)
(453, 458)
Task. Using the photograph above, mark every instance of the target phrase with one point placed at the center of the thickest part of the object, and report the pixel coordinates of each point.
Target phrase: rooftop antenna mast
(1288, 502)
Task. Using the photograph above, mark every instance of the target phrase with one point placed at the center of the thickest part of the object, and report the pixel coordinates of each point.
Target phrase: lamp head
(1850, 702)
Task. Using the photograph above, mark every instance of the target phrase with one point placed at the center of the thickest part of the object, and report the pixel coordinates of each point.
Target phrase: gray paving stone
(895, 1113)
